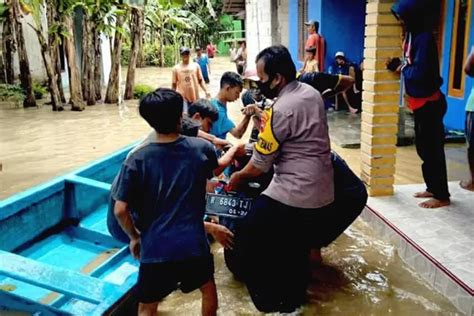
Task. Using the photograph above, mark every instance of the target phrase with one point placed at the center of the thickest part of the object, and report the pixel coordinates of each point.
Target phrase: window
(459, 47)
(302, 33)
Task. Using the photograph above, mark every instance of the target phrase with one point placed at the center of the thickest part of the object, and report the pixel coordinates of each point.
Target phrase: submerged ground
(361, 275)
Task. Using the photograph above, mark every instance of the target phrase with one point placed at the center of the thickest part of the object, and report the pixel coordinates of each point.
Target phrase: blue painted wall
(314, 10)
(342, 24)
(343, 27)
(455, 117)
(293, 30)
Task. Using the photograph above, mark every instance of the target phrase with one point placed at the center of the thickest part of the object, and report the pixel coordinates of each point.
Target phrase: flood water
(361, 274)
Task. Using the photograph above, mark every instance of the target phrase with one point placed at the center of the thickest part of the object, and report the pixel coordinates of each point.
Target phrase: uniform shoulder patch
(267, 143)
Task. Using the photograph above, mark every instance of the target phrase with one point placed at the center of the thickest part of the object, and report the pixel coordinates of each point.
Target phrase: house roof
(233, 6)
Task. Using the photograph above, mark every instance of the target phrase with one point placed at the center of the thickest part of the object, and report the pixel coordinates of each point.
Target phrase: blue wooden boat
(56, 254)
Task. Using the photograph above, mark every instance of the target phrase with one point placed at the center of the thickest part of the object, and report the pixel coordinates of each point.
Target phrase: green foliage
(141, 89)
(209, 12)
(152, 55)
(39, 90)
(4, 10)
(185, 22)
(11, 92)
(169, 56)
(125, 56)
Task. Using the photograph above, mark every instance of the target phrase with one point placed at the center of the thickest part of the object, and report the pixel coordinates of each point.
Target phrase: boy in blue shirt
(203, 61)
(164, 182)
(231, 86)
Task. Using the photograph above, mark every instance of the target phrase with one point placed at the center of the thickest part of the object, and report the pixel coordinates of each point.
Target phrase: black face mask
(264, 87)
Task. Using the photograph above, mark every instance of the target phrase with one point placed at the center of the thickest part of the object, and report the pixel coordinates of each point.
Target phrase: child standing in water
(164, 183)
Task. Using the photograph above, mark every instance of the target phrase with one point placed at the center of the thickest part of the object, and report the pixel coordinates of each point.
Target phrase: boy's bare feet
(467, 185)
(423, 195)
(434, 203)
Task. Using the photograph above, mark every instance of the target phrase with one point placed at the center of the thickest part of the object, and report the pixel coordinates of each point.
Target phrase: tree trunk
(53, 17)
(88, 61)
(141, 41)
(112, 94)
(75, 89)
(25, 74)
(98, 67)
(162, 48)
(9, 45)
(91, 64)
(3, 77)
(85, 55)
(141, 53)
(135, 25)
(57, 65)
(52, 81)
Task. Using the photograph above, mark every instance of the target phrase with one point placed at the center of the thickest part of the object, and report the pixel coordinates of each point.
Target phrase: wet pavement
(437, 243)
(345, 129)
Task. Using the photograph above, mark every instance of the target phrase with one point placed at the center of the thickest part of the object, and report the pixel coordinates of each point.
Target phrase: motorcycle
(231, 207)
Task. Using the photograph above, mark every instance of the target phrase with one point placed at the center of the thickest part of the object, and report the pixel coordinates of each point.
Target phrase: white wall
(283, 22)
(106, 59)
(257, 28)
(33, 50)
(261, 31)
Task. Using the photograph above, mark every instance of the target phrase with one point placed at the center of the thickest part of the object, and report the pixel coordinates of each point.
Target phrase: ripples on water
(361, 275)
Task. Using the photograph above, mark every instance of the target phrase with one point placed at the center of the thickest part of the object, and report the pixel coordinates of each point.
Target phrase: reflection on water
(37, 145)
(361, 275)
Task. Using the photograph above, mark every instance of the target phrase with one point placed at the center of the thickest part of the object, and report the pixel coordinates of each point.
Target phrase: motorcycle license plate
(225, 205)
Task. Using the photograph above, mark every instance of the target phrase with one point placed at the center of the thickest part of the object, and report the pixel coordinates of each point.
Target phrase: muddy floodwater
(361, 274)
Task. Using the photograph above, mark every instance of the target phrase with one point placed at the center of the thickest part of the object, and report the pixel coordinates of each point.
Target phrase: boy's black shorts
(158, 280)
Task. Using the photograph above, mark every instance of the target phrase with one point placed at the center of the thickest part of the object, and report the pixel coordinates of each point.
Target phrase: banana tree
(162, 15)
(136, 37)
(112, 94)
(207, 12)
(54, 39)
(176, 37)
(100, 17)
(66, 12)
(75, 85)
(36, 7)
(171, 20)
(8, 38)
(17, 11)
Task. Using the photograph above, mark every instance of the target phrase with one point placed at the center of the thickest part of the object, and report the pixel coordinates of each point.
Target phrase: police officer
(277, 234)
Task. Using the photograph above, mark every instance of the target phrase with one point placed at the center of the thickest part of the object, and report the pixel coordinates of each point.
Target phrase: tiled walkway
(438, 244)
